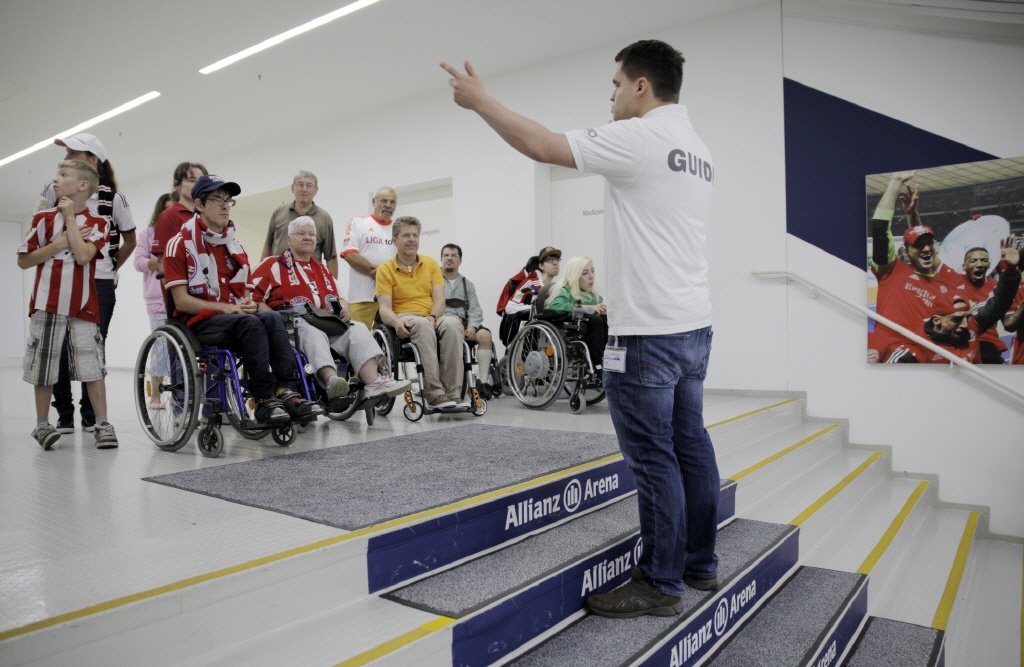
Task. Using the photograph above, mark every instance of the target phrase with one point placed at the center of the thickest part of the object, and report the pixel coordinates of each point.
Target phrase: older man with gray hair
(295, 278)
(304, 187)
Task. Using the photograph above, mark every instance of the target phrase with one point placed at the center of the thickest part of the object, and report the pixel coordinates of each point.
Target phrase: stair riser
(413, 552)
(495, 632)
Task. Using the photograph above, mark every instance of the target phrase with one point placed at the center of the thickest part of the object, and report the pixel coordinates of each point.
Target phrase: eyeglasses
(220, 201)
(304, 186)
(305, 235)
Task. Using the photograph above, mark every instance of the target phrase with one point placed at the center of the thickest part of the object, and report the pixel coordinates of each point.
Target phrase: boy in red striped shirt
(63, 245)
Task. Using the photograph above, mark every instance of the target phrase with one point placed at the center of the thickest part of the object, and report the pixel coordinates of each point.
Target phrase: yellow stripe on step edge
(330, 541)
(401, 641)
(955, 574)
(779, 455)
(890, 534)
(752, 412)
(831, 493)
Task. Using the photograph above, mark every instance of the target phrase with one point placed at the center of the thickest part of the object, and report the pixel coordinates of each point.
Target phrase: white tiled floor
(80, 527)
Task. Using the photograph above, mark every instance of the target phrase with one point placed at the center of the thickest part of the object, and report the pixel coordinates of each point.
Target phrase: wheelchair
(547, 357)
(180, 384)
(398, 354)
(342, 407)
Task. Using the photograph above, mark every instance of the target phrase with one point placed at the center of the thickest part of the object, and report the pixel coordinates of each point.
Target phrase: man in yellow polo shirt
(410, 291)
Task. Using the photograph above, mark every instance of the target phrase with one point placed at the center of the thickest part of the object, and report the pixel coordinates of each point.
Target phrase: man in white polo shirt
(658, 180)
(367, 245)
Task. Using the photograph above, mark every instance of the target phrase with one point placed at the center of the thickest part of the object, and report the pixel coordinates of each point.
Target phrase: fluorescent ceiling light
(82, 126)
(294, 32)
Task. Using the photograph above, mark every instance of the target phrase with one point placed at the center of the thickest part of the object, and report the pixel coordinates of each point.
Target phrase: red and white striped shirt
(62, 285)
(278, 287)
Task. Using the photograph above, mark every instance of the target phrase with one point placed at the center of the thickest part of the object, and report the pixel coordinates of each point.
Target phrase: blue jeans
(263, 344)
(657, 408)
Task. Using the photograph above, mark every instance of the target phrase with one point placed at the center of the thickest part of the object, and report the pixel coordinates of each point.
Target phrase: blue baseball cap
(207, 183)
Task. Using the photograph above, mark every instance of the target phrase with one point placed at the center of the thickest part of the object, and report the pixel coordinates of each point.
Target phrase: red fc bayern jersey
(275, 285)
(62, 285)
(907, 297)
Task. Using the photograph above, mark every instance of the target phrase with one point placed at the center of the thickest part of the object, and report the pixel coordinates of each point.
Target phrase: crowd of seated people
(196, 271)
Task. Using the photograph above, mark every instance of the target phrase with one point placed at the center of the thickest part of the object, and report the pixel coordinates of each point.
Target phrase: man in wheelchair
(524, 288)
(410, 291)
(461, 301)
(206, 272)
(294, 279)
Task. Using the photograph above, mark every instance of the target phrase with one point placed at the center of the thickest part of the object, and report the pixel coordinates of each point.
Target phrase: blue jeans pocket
(657, 359)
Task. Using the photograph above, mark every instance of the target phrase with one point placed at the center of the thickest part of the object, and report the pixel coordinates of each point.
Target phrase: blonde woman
(575, 286)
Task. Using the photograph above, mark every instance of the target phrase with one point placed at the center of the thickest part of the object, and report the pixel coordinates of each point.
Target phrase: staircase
(825, 558)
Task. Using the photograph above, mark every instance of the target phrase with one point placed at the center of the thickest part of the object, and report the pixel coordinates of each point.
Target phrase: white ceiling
(65, 62)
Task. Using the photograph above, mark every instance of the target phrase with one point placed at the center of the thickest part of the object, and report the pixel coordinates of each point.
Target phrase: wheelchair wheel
(537, 364)
(371, 414)
(210, 441)
(479, 405)
(166, 393)
(388, 366)
(576, 404)
(413, 410)
(590, 395)
(284, 435)
(243, 412)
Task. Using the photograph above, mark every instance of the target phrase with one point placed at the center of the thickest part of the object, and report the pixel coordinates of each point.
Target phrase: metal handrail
(954, 360)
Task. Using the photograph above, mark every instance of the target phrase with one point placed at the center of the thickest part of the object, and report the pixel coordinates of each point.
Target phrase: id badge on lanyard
(614, 357)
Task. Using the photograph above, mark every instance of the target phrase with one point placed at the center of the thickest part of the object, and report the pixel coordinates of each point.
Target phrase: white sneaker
(386, 387)
(105, 437)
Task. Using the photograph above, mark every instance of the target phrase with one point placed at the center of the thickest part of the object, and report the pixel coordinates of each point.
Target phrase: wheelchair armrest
(579, 312)
(556, 316)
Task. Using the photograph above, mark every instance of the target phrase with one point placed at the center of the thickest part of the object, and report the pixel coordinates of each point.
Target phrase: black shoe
(88, 423)
(298, 407)
(638, 597)
(710, 584)
(66, 424)
(485, 391)
(270, 411)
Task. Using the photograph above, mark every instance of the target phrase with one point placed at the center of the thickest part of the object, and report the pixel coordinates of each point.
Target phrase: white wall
(937, 421)
(12, 301)
(768, 336)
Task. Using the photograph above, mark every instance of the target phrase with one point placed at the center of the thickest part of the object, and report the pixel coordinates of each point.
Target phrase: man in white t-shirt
(658, 180)
(367, 245)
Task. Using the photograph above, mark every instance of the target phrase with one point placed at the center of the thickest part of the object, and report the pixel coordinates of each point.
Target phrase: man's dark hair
(657, 62)
(452, 245)
(183, 169)
(975, 249)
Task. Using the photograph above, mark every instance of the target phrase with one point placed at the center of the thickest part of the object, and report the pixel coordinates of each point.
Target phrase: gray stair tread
(791, 622)
(886, 643)
(596, 640)
(461, 590)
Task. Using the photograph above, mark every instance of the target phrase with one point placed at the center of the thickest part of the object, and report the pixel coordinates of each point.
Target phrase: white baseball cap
(84, 142)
